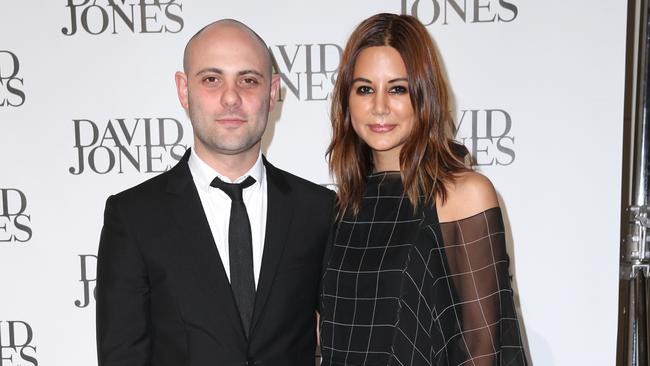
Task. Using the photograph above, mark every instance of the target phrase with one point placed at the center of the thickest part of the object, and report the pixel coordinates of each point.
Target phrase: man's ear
(181, 88)
(275, 89)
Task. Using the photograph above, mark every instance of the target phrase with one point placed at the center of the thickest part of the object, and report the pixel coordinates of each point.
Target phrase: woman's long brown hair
(429, 158)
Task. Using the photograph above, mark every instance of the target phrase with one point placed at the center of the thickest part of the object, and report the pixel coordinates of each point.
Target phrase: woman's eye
(398, 90)
(364, 89)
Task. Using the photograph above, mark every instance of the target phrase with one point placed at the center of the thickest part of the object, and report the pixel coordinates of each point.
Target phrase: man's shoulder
(298, 183)
(150, 189)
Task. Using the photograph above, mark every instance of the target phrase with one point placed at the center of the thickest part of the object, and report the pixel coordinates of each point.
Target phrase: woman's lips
(381, 127)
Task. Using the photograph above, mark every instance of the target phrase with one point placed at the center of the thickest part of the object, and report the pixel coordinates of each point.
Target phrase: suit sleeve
(329, 243)
(122, 294)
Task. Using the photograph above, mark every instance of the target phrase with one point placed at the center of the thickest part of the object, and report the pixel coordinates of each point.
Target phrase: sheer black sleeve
(478, 264)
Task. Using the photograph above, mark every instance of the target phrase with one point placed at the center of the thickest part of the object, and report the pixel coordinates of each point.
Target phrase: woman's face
(380, 105)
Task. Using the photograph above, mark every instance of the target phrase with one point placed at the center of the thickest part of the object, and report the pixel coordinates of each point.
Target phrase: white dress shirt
(216, 205)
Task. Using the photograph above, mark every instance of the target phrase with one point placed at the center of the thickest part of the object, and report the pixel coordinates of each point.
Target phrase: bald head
(216, 31)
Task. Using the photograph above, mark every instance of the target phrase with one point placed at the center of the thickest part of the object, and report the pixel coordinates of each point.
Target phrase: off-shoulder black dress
(402, 289)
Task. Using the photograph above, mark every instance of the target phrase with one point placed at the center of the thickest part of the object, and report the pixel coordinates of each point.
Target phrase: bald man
(217, 261)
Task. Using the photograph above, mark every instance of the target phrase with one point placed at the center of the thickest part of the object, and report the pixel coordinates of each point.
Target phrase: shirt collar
(203, 174)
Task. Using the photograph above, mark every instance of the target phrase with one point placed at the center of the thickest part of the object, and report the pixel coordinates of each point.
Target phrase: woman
(418, 272)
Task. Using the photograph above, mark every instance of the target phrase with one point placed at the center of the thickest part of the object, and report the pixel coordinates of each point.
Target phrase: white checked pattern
(402, 289)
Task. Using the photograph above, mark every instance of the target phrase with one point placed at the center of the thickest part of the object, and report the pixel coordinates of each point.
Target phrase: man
(188, 275)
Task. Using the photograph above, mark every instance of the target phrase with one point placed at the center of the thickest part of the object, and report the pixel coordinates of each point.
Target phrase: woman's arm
(474, 238)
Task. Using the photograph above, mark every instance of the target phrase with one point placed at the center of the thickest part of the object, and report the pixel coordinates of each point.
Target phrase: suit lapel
(278, 220)
(198, 241)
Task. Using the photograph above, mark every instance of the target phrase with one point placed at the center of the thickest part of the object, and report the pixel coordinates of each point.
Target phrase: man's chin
(235, 149)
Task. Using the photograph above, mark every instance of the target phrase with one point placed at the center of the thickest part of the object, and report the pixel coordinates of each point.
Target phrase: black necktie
(240, 245)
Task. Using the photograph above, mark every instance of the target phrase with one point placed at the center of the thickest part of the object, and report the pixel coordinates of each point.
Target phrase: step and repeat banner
(88, 108)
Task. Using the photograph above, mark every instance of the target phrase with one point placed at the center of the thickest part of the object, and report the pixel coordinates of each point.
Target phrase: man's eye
(399, 90)
(210, 79)
(364, 90)
(250, 81)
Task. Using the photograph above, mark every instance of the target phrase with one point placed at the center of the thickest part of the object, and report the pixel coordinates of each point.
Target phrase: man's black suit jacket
(163, 298)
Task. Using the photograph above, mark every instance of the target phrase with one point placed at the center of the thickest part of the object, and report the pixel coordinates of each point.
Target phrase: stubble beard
(212, 140)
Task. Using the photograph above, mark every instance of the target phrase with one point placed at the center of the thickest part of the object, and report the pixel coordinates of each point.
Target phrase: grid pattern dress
(402, 289)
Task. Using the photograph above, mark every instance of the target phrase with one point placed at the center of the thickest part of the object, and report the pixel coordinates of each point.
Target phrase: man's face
(227, 90)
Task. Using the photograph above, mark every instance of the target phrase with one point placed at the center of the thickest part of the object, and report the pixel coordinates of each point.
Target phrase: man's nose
(230, 97)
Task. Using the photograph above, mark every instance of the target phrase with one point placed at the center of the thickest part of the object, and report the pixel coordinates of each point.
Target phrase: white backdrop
(538, 88)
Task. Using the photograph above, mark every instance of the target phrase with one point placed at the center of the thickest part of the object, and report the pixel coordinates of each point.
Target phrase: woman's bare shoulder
(471, 193)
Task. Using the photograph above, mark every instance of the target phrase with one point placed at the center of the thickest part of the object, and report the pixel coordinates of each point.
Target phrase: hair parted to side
(429, 158)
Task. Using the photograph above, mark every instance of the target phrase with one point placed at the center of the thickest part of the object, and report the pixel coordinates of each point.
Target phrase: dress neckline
(496, 209)
(384, 174)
